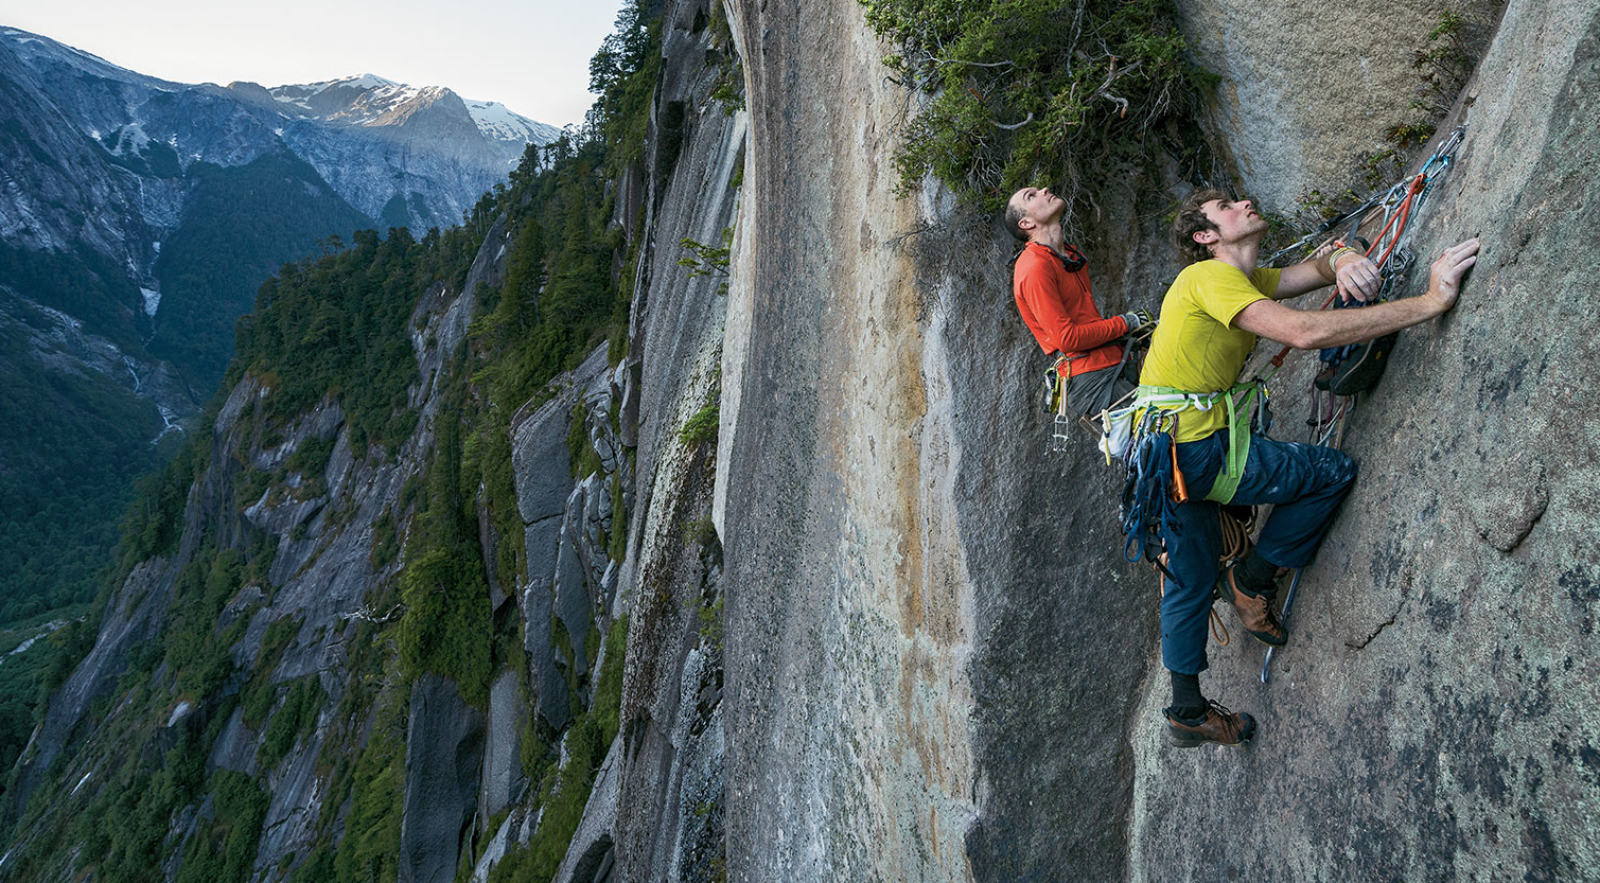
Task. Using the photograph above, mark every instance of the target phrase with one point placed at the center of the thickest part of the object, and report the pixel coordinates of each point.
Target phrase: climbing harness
(1055, 402)
(1247, 411)
(1112, 426)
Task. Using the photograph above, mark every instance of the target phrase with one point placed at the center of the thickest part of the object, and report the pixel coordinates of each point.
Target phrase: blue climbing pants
(1305, 482)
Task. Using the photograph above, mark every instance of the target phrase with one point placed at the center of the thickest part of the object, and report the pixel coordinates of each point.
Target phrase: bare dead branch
(975, 63)
(1014, 126)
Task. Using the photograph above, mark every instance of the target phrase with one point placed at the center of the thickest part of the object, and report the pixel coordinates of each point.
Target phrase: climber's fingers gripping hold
(1444, 278)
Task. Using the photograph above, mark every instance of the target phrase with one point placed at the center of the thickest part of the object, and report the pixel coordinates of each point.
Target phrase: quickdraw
(1397, 204)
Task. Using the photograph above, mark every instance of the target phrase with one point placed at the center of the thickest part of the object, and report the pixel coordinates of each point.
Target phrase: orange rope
(1398, 221)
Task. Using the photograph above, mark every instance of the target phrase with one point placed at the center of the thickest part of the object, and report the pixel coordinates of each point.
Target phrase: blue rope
(1149, 473)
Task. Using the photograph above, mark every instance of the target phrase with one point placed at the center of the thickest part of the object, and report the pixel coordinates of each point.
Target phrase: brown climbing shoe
(1220, 726)
(1254, 612)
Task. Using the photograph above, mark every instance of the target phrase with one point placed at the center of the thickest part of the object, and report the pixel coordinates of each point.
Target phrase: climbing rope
(1395, 206)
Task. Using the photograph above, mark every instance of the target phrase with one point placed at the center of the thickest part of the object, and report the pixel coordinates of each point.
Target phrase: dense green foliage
(79, 282)
(370, 849)
(447, 622)
(1031, 91)
(71, 446)
(124, 828)
(337, 326)
(28, 672)
(559, 297)
(240, 225)
(196, 647)
(623, 75)
(701, 428)
(295, 719)
(224, 850)
(258, 695)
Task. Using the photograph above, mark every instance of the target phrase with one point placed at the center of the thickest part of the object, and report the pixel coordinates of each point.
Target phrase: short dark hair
(1014, 216)
(1191, 220)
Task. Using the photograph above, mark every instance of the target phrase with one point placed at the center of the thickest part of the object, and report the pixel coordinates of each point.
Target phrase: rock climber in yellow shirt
(1209, 322)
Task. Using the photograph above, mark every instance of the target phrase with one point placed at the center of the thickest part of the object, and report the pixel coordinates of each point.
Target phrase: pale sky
(530, 55)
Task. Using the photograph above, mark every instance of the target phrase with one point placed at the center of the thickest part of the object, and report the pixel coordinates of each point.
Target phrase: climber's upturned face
(1038, 205)
(1236, 220)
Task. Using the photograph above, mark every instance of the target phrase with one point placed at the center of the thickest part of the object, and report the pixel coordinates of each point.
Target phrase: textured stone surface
(502, 777)
(939, 666)
(1303, 115)
(135, 614)
(850, 609)
(669, 581)
(538, 453)
(1433, 716)
(444, 751)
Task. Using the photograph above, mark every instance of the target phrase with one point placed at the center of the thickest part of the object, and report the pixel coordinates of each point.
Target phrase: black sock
(1257, 575)
(1187, 703)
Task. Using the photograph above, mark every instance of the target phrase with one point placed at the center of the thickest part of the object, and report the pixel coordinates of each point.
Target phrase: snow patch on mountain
(499, 123)
(373, 107)
(371, 100)
(301, 94)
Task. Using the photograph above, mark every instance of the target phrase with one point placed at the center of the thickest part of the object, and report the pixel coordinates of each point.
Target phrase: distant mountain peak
(372, 100)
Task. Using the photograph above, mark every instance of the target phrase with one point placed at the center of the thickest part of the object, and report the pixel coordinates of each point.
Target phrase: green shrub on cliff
(447, 624)
(225, 848)
(1022, 91)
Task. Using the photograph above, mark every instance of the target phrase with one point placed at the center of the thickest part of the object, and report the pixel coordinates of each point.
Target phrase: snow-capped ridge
(500, 123)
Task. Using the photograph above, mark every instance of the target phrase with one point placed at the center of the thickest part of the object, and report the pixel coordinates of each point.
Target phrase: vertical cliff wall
(850, 606)
(1433, 716)
(861, 626)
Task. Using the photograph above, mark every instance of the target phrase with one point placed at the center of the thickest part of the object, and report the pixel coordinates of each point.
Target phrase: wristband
(1333, 269)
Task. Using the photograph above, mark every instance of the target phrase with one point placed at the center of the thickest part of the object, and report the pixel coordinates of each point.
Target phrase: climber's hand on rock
(1358, 279)
(1444, 279)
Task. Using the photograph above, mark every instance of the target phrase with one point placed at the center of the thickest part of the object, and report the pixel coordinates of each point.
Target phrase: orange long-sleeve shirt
(1059, 309)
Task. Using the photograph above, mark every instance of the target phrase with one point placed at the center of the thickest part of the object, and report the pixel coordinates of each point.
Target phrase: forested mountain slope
(137, 219)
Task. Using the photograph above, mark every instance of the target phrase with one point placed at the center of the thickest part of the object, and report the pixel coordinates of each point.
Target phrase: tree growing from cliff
(1020, 92)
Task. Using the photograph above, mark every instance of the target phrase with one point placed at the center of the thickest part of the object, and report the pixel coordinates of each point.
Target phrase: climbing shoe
(1255, 612)
(1361, 369)
(1219, 725)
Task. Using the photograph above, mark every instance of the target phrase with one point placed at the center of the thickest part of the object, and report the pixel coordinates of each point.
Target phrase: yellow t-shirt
(1196, 348)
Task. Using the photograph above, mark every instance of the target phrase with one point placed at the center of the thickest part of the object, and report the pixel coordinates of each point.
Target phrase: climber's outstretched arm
(1313, 330)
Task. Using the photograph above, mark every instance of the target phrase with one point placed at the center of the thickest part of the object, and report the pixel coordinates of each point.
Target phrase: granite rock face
(1433, 715)
(444, 754)
(1308, 114)
(671, 805)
